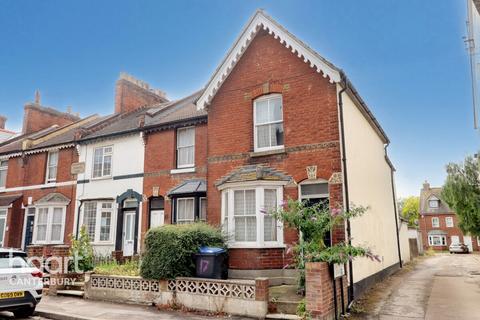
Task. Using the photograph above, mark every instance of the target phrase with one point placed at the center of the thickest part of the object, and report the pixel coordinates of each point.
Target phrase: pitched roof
(48, 137)
(189, 186)
(7, 200)
(261, 20)
(253, 173)
(426, 194)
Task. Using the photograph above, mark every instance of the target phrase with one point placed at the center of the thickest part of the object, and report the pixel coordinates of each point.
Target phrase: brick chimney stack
(132, 93)
(37, 117)
(3, 120)
(426, 185)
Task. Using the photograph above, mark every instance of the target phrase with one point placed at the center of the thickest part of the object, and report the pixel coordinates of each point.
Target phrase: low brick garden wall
(236, 297)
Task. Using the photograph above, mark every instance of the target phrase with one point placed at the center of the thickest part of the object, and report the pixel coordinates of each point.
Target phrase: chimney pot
(3, 120)
(426, 185)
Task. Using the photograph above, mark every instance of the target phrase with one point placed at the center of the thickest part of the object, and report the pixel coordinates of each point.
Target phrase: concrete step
(282, 316)
(278, 281)
(287, 307)
(80, 285)
(70, 293)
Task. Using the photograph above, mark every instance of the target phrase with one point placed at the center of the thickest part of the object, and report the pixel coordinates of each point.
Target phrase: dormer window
(433, 203)
(268, 123)
(52, 164)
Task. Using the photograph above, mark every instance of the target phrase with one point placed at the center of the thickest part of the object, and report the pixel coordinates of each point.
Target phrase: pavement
(441, 287)
(64, 308)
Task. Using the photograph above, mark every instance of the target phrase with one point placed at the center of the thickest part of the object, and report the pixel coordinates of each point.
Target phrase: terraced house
(37, 190)
(275, 121)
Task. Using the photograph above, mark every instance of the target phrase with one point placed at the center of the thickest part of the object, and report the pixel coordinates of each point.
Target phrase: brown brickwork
(36, 118)
(311, 132)
(130, 96)
(30, 170)
(160, 158)
(425, 225)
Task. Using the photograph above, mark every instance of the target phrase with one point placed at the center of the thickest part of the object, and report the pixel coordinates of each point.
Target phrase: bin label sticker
(204, 265)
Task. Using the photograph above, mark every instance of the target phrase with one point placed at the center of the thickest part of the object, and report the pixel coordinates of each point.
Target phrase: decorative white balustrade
(240, 289)
(125, 283)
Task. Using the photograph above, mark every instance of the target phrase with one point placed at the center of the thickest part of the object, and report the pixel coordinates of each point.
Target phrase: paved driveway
(435, 288)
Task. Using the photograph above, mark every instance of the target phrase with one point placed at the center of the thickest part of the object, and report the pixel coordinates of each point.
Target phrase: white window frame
(449, 222)
(184, 221)
(104, 154)
(50, 209)
(200, 200)
(98, 221)
(434, 200)
(4, 213)
(227, 192)
(49, 167)
(435, 222)
(255, 124)
(443, 240)
(188, 165)
(4, 167)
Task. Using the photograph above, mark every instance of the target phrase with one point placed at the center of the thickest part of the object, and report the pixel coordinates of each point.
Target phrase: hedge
(169, 249)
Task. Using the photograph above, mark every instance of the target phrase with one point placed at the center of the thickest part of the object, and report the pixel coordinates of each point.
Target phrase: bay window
(437, 240)
(98, 220)
(3, 224)
(268, 123)
(185, 210)
(52, 164)
(185, 147)
(247, 215)
(102, 162)
(49, 225)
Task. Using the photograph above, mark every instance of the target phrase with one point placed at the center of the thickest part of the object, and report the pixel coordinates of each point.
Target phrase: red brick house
(439, 224)
(275, 121)
(37, 188)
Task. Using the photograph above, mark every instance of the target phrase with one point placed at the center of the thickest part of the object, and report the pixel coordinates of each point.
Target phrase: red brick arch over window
(266, 88)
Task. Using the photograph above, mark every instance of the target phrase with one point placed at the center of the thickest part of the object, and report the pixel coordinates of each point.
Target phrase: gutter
(345, 184)
(395, 213)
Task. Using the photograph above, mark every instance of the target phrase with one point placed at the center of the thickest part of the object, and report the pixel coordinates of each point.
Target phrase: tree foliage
(81, 252)
(410, 210)
(462, 193)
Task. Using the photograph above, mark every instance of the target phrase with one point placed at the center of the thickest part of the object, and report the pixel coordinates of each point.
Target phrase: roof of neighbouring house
(189, 186)
(429, 193)
(5, 201)
(253, 173)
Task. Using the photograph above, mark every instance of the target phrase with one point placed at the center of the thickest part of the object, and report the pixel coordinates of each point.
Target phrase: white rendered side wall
(369, 184)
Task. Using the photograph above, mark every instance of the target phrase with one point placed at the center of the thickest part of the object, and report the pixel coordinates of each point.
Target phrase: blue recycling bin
(212, 263)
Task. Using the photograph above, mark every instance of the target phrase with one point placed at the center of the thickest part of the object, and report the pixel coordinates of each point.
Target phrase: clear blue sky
(407, 59)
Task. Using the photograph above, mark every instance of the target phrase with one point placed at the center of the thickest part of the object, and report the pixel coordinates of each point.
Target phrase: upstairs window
(449, 222)
(102, 162)
(435, 222)
(3, 173)
(52, 164)
(268, 122)
(185, 147)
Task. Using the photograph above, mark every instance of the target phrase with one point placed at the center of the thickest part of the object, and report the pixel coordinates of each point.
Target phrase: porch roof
(7, 200)
(189, 186)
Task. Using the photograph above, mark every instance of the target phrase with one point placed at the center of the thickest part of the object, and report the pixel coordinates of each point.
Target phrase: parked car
(21, 283)
(458, 248)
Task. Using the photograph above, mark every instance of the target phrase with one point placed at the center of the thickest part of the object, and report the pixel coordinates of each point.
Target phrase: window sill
(182, 170)
(101, 178)
(255, 246)
(267, 152)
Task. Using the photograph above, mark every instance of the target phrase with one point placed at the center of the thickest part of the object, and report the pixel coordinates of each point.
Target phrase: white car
(21, 283)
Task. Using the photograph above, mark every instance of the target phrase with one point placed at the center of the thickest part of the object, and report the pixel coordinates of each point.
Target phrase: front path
(434, 288)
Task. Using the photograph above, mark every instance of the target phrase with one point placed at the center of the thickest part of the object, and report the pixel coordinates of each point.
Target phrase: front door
(455, 239)
(128, 232)
(29, 231)
(468, 242)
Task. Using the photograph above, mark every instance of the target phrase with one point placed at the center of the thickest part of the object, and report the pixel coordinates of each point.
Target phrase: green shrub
(81, 251)
(169, 249)
(129, 268)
